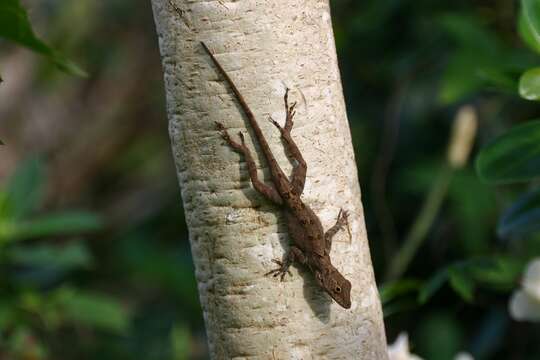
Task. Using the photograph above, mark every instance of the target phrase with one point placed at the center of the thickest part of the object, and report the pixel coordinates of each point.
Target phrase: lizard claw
(292, 110)
(225, 135)
(274, 122)
(280, 271)
(343, 221)
(219, 126)
(222, 130)
(343, 217)
(286, 97)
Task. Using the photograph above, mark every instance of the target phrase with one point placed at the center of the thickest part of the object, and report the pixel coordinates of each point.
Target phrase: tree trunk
(265, 46)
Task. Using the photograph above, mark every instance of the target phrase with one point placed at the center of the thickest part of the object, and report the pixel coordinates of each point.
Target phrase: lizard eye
(338, 289)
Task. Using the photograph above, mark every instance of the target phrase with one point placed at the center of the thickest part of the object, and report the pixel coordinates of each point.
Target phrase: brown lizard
(310, 244)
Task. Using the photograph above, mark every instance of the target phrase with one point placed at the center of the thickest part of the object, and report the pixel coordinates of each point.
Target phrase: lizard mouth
(346, 303)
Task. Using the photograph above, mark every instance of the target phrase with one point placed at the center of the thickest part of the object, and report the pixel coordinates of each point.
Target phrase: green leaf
(460, 78)
(67, 223)
(497, 272)
(93, 310)
(512, 157)
(531, 16)
(522, 218)
(432, 285)
(24, 190)
(461, 283)
(15, 26)
(529, 84)
(73, 255)
(391, 290)
(498, 78)
(526, 33)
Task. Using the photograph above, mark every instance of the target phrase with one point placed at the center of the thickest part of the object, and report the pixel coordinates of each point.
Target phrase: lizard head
(336, 286)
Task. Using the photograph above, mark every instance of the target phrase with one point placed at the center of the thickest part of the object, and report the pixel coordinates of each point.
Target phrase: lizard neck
(321, 263)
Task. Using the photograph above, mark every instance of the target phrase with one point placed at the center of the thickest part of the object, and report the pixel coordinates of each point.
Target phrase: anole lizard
(310, 244)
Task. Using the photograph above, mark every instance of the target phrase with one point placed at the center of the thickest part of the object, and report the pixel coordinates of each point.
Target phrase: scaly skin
(310, 244)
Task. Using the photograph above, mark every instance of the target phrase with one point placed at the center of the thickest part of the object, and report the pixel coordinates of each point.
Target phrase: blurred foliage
(127, 290)
(37, 301)
(407, 68)
(512, 157)
(15, 26)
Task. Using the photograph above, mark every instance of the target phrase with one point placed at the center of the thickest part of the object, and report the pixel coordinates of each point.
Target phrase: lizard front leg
(294, 254)
(298, 177)
(268, 191)
(340, 223)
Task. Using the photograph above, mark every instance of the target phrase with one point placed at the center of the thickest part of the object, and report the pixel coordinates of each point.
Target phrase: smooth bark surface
(265, 46)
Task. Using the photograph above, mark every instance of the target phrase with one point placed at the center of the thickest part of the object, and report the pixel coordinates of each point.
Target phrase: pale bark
(234, 232)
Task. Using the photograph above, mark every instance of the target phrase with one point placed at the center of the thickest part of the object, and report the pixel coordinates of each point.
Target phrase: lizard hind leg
(266, 190)
(225, 135)
(298, 177)
(294, 254)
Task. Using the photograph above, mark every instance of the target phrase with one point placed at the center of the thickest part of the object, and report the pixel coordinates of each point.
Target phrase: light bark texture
(265, 46)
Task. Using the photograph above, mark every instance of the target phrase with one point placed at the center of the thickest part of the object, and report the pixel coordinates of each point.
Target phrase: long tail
(274, 166)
